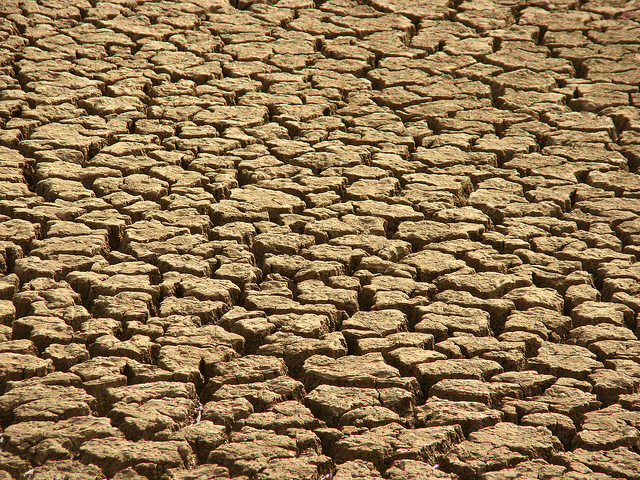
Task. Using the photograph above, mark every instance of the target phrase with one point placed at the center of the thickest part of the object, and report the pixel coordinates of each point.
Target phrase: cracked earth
(385, 239)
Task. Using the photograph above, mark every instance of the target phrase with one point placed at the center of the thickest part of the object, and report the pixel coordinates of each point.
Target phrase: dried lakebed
(287, 239)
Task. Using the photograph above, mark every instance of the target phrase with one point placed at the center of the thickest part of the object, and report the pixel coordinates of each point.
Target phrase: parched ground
(287, 240)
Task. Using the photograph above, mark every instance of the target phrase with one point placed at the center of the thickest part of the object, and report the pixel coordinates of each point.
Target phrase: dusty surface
(293, 240)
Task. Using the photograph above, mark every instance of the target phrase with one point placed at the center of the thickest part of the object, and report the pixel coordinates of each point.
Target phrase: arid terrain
(298, 240)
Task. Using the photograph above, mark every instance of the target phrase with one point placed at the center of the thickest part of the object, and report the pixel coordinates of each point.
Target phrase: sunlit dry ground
(294, 240)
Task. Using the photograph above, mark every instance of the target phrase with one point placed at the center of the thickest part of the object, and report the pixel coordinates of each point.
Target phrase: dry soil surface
(287, 240)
